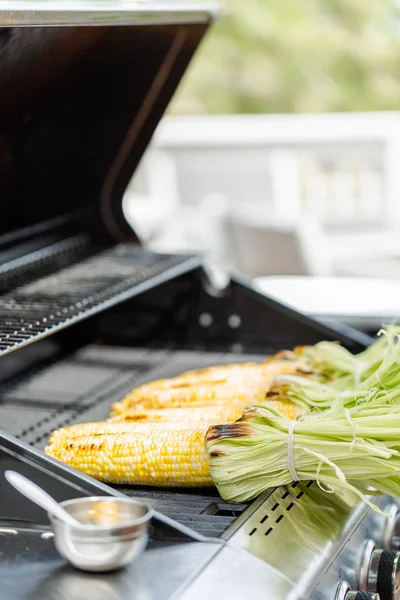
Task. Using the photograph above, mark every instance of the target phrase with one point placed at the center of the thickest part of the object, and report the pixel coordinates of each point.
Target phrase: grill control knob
(344, 592)
(380, 572)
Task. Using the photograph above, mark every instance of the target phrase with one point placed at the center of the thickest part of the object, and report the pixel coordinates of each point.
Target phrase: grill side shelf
(51, 303)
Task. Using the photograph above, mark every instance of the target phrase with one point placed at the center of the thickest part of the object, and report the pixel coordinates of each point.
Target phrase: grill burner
(82, 388)
(53, 302)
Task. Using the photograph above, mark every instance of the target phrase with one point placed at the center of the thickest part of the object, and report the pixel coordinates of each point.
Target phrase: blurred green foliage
(275, 56)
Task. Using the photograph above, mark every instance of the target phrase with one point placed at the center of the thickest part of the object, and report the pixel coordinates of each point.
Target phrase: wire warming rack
(44, 306)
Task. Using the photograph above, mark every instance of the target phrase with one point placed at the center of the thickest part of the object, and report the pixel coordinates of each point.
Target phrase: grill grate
(43, 259)
(44, 306)
(98, 376)
(206, 513)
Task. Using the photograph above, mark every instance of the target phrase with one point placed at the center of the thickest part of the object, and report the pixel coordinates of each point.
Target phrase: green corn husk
(310, 394)
(344, 449)
(383, 373)
(342, 369)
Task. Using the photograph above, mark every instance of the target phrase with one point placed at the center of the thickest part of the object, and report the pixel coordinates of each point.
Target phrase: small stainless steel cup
(111, 533)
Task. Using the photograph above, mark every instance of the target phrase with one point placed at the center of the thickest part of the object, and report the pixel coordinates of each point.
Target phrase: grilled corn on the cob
(111, 427)
(163, 447)
(156, 456)
(218, 413)
(239, 384)
(173, 418)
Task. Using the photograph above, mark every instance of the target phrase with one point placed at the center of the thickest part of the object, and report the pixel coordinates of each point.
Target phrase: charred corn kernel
(243, 383)
(160, 457)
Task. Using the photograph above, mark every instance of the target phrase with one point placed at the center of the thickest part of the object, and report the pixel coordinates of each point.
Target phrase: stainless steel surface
(365, 562)
(390, 527)
(297, 532)
(362, 596)
(311, 522)
(344, 592)
(31, 569)
(395, 539)
(111, 533)
(111, 12)
(308, 540)
(345, 565)
(236, 574)
(373, 570)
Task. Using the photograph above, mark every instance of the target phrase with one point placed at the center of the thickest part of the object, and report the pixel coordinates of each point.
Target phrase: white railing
(340, 168)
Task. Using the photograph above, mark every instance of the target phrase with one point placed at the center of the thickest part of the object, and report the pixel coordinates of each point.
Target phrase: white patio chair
(278, 247)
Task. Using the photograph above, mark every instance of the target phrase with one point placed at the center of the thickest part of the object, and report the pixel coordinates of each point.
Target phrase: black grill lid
(82, 88)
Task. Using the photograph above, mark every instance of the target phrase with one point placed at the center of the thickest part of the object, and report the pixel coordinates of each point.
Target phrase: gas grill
(86, 314)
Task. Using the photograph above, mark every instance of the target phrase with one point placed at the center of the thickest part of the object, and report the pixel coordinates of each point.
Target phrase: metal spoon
(35, 493)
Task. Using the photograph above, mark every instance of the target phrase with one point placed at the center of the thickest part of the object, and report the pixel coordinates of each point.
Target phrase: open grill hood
(82, 88)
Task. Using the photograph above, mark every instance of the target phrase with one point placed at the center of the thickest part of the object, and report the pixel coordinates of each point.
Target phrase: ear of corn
(190, 396)
(238, 384)
(219, 413)
(173, 419)
(155, 456)
(168, 452)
